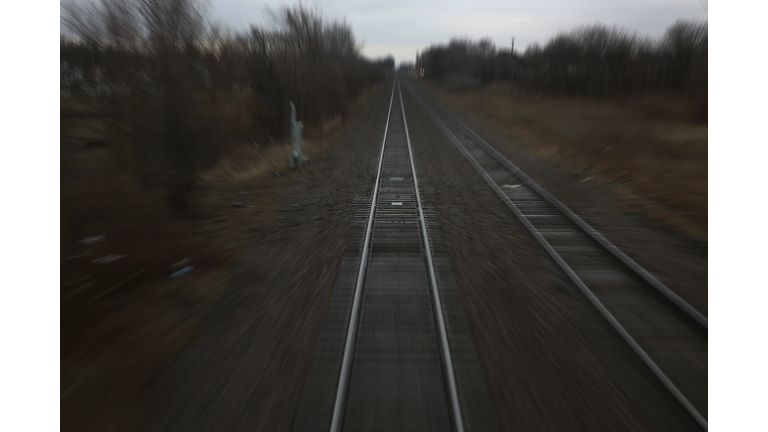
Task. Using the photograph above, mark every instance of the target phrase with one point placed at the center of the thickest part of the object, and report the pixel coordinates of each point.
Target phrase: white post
(297, 158)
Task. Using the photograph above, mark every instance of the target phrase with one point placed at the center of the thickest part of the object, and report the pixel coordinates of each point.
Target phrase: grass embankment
(649, 149)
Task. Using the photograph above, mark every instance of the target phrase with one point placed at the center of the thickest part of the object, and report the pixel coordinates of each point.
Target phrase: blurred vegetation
(177, 92)
(593, 60)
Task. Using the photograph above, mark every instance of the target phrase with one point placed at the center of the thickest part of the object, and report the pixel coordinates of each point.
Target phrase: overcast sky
(402, 27)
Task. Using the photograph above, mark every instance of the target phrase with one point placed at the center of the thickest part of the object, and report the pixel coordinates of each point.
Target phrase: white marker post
(297, 158)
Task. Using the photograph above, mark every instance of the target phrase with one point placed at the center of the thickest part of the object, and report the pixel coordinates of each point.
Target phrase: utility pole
(512, 62)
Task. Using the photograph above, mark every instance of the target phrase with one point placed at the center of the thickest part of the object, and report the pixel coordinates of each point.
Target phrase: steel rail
(588, 229)
(697, 416)
(354, 316)
(437, 304)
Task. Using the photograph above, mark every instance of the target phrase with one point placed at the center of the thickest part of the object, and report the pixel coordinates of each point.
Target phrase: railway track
(667, 333)
(393, 369)
(396, 347)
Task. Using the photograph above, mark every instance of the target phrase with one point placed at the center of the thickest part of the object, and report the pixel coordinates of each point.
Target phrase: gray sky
(402, 27)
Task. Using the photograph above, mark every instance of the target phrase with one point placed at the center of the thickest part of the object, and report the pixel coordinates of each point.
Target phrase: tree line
(591, 60)
(177, 90)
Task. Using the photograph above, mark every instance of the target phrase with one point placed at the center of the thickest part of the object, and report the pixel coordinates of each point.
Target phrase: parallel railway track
(667, 333)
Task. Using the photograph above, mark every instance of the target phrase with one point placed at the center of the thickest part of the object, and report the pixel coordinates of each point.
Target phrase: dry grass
(650, 149)
(81, 121)
(252, 161)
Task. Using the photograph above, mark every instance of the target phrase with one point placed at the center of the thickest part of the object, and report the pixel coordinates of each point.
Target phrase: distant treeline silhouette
(177, 90)
(592, 60)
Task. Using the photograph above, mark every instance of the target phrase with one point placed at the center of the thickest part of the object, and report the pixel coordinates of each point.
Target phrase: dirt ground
(648, 149)
(550, 360)
(227, 345)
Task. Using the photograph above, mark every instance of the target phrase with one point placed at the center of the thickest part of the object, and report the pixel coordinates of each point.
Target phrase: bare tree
(594, 60)
(181, 90)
